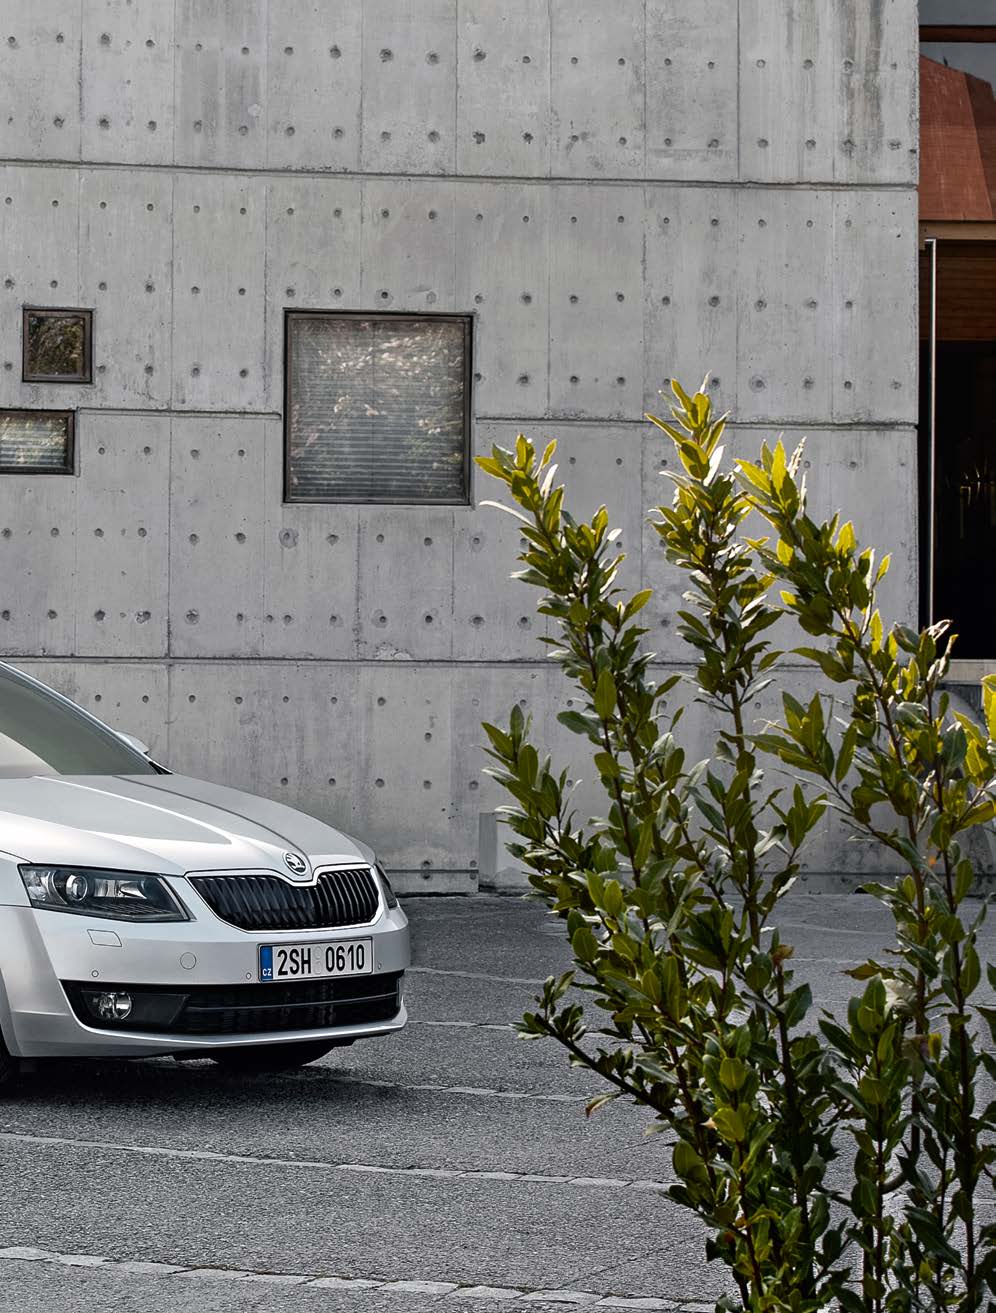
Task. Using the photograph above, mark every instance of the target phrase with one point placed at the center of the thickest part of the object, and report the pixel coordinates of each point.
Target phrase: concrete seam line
(361, 1169)
(471, 179)
(449, 1289)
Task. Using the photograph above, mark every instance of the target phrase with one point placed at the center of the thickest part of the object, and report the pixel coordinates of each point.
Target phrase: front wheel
(273, 1057)
(10, 1068)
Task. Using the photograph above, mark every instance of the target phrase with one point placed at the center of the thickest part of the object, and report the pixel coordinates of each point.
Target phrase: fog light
(113, 1007)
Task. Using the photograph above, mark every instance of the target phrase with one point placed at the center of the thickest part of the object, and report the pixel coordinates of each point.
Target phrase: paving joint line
(463, 1025)
(319, 1281)
(480, 1093)
(311, 1164)
(335, 1077)
(477, 975)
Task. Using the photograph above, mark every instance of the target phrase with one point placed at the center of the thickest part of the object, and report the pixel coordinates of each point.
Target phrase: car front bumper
(205, 959)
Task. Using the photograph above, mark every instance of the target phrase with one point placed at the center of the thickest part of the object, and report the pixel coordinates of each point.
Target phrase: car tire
(10, 1069)
(273, 1057)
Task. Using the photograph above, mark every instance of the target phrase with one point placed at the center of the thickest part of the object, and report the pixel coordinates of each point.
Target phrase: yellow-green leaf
(732, 1073)
(605, 694)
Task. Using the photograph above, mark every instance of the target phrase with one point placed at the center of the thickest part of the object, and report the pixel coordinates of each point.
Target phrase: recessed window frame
(467, 321)
(955, 33)
(53, 312)
(69, 465)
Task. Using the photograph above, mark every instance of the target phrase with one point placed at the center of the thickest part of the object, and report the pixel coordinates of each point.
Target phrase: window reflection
(35, 441)
(57, 345)
(958, 110)
(376, 408)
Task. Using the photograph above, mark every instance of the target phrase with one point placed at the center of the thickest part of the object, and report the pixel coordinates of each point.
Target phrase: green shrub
(668, 900)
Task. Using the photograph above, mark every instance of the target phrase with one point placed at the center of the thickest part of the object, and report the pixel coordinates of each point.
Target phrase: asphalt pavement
(452, 1166)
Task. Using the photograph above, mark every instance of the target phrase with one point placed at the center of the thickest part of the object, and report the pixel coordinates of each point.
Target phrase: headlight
(390, 897)
(117, 895)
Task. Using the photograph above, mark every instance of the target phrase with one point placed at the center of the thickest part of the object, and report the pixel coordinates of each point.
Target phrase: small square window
(377, 408)
(36, 441)
(57, 346)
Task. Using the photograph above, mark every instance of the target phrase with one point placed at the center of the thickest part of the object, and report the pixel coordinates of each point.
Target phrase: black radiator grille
(312, 1005)
(266, 902)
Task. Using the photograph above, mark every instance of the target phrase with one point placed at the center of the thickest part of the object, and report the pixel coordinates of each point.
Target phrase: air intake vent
(248, 1009)
(265, 902)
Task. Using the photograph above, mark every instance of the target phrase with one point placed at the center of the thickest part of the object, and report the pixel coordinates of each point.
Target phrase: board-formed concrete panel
(39, 265)
(88, 555)
(126, 257)
(409, 87)
(596, 304)
(601, 466)
(785, 267)
(406, 582)
(877, 92)
(485, 692)
(786, 60)
(503, 90)
(874, 311)
(127, 81)
(402, 800)
(871, 478)
(503, 278)
(494, 615)
(660, 616)
(122, 535)
(407, 245)
(40, 219)
(219, 224)
(40, 76)
(312, 258)
(37, 564)
(313, 84)
(220, 81)
(597, 134)
(309, 573)
(281, 729)
(216, 537)
(690, 292)
(692, 90)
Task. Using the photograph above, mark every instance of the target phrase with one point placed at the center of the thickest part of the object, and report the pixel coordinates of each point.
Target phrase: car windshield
(41, 735)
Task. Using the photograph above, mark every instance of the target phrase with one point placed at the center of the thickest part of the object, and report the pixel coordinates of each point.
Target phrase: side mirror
(133, 742)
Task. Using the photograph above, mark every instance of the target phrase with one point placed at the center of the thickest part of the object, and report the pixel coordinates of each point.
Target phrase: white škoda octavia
(146, 913)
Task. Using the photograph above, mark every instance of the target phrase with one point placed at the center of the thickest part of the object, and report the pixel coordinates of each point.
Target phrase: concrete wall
(618, 193)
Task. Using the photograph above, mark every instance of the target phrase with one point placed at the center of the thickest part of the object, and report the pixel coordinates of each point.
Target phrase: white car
(147, 913)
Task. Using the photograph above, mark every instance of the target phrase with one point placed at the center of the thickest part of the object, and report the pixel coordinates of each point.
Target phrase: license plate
(345, 957)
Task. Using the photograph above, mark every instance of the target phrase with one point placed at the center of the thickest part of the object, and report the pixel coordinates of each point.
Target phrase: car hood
(169, 824)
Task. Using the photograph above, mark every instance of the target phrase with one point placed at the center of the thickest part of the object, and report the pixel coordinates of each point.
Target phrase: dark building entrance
(958, 322)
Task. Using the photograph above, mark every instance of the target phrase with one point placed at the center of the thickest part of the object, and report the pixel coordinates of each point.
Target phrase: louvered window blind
(377, 408)
(36, 441)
